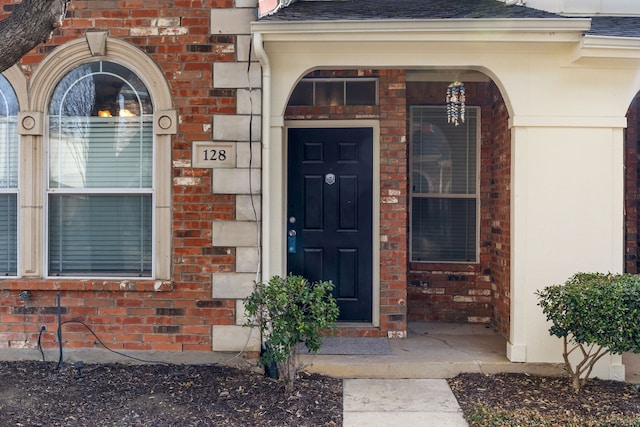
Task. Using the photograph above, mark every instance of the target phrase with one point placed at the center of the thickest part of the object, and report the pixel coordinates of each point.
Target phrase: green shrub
(594, 314)
(289, 311)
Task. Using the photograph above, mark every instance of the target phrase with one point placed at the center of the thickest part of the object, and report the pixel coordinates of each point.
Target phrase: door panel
(330, 202)
(313, 203)
(348, 203)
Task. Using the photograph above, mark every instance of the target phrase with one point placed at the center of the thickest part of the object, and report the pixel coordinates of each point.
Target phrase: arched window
(100, 193)
(9, 147)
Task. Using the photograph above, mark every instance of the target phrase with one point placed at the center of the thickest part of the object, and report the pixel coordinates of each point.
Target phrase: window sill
(123, 285)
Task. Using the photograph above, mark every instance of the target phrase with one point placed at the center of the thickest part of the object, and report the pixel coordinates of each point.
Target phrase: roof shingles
(615, 26)
(365, 10)
(359, 10)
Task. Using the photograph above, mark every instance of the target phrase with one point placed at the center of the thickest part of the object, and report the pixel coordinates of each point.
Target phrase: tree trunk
(576, 382)
(31, 23)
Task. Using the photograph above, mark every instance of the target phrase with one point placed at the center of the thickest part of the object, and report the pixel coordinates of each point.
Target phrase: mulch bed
(37, 394)
(553, 398)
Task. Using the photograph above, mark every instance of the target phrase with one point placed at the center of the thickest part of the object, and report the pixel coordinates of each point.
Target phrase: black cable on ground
(59, 331)
(42, 329)
(111, 350)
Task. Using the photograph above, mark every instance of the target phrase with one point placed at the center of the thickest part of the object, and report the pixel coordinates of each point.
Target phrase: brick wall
(496, 218)
(391, 112)
(449, 292)
(477, 292)
(393, 202)
(146, 315)
(142, 318)
(631, 179)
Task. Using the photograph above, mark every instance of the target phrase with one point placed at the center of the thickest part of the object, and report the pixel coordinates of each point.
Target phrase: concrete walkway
(397, 402)
(409, 388)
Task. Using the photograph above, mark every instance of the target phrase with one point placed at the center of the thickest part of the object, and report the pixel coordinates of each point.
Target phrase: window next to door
(444, 185)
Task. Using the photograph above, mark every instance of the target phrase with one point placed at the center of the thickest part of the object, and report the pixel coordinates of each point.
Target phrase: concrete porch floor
(441, 350)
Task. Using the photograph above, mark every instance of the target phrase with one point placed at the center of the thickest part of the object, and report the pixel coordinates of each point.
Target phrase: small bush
(594, 314)
(289, 311)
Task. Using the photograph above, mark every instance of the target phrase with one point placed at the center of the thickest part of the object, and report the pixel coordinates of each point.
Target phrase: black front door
(330, 219)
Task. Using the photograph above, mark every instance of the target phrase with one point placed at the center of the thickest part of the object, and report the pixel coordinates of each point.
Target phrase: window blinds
(8, 196)
(100, 196)
(444, 186)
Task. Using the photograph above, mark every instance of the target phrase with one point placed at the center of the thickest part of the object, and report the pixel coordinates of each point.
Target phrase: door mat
(351, 346)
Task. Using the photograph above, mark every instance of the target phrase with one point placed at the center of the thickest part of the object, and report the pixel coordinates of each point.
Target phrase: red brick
(162, 346)
(137, 346)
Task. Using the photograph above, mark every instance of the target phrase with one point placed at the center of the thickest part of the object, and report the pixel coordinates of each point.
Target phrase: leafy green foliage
(289, 311)
(596, 314)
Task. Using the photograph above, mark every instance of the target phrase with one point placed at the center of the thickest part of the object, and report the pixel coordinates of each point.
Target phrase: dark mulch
(38, 394)
(551, 400)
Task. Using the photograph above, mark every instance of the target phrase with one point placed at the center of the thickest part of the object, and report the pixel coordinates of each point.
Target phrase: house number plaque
(208, 154)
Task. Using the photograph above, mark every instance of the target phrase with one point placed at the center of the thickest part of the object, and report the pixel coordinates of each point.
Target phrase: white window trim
(18, 80)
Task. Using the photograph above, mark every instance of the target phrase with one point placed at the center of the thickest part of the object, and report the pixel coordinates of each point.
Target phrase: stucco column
(517, 344)
(567, 217)
(274, 209)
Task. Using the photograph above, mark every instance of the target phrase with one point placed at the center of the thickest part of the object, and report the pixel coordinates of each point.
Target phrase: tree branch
(31, 23)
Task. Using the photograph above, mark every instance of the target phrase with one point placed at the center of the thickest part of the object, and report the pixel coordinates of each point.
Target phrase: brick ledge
(88, 285)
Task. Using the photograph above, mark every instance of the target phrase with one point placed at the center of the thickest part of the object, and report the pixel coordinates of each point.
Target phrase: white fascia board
(608, 47)
(502, 30)
(608, 42)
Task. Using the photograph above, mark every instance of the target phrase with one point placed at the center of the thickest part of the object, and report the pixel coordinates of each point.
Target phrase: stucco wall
(567, 218)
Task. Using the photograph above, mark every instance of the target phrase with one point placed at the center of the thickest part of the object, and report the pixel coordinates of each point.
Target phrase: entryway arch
(477, 291)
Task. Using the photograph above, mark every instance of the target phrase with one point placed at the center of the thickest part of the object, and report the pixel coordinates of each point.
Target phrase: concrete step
(431, 350)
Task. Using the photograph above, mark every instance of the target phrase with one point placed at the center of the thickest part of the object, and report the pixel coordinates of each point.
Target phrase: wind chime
(455, 103)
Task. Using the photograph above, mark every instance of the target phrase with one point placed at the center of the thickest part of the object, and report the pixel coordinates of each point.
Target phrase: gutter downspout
(266, 152)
